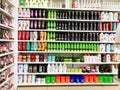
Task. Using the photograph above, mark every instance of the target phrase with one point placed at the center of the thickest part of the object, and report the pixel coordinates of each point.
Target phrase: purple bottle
(41, 58)
(35, 24)
(31, 13)
(31, 24)
(36, 14)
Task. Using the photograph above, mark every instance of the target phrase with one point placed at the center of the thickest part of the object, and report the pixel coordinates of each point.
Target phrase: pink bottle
(28, 58)
(20, 58)
(101, 27)
(35, 35)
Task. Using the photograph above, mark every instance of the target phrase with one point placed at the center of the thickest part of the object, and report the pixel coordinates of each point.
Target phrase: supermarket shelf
(6, 67)
(6, 81)
(6, 27)
(67, 30)
(61, 52)
(114, 10)
(10, 2)
(68, 63)
(65, 41)
(74, 84)
(70, 73)
(75, 20)
(6, 40)
(5, 54)
(6, 13)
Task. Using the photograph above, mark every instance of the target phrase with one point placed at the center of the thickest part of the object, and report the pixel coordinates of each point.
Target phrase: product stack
(61, 43)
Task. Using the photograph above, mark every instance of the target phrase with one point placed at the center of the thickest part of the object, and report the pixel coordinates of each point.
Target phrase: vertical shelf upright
(7, 41)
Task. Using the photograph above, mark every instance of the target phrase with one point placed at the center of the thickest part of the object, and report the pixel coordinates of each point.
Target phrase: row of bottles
(82, 47)
(59, 58)
(66, 36)
(61, 79)
(66, 25)
(29, 35)
(63, 68)
(33, 46)
(81, 4)
(80, 15)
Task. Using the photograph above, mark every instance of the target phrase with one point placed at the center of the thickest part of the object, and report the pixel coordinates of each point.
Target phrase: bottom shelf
(72, 84)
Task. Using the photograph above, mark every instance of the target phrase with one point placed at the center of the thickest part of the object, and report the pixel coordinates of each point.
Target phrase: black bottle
(58, 15)
(79, 26)
(87, 15)
(66, 15)
(92, 15)
(83, 24)
(76, 25)
(87, 36)
(73, 37)
(97, 36)
(76, 15)
(73, 15)
(86, 26)
(69, 15)
(56, 36)
(40, 13)
(95, 15)
(65, 26)
(94, 26)
(94, 37)
(60, 25)
(79, 36)
(91, 26)
(69, 38)
(69, 26)
(62, 36)
(57, 25)
(63, 15)
(72, 26)
(80, 15)
(76, 36)
(98, 15)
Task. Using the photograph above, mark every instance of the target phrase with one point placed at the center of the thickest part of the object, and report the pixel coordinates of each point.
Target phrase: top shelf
(113, 10)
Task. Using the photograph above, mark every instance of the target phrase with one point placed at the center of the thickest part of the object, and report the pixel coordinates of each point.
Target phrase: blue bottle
(114, 26)
(72, 79)
(28, 46)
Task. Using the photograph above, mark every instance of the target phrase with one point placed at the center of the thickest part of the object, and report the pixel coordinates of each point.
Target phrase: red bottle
(111, 26)
(24, 46)
(19, 35)
(20, 46)
(27, 35)
(33, 58)
(23, 35)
